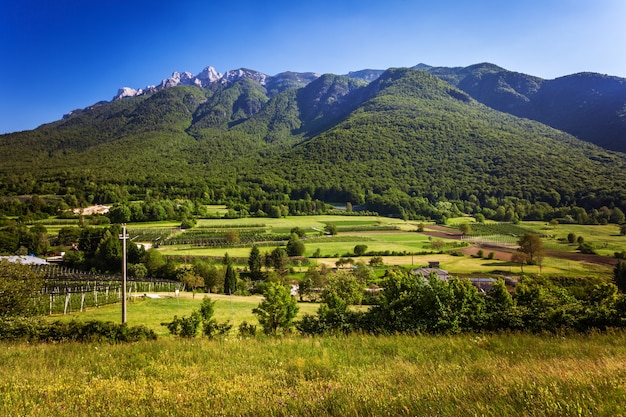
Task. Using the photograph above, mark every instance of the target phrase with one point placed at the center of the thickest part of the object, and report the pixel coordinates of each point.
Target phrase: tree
(622, 229)
(519, 258)
(500, 308)
(330, 229)
(360, 250)
(314, 279)
(278, 309)
(109, 252)
(138, 270)
(154, 261)
(465, 228)
(19, 284)
(119, 213)
(255, 263)
(617, 216)
(619, 276)
(295, 247)
(192, 280)
(306, 286)
(230, 280)
(299, 231)
(571, 237)
(345, 286)
(280, 260)
(532, 246)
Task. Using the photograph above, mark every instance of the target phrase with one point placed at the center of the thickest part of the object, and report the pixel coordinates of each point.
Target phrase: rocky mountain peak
(204, 79)
(208, 76)
(238, 74)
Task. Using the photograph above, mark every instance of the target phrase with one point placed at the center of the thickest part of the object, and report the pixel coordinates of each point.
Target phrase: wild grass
(467, 375)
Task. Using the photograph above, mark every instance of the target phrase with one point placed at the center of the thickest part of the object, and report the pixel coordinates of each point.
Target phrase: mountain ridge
(590, 106)
(407, 144)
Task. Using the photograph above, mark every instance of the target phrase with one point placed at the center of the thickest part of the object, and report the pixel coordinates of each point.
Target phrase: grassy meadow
(151, 312)
(468, 375)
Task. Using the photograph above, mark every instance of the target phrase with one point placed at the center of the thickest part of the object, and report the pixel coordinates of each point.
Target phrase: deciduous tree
(278, 309)
(532, 246)
(19, 284)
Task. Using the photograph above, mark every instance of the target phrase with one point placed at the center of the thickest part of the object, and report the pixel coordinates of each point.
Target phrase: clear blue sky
(59, 55)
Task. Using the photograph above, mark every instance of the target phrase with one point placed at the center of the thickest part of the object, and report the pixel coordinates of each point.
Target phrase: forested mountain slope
(405, 144)
(418, 136)
(590, 106)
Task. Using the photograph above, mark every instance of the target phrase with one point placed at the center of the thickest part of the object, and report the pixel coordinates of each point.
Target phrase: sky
(61, 55)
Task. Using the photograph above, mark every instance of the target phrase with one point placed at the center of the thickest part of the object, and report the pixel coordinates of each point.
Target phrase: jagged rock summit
(206, 77)
(209, 76)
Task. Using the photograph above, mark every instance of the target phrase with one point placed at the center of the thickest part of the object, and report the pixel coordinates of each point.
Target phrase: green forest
(407, 145)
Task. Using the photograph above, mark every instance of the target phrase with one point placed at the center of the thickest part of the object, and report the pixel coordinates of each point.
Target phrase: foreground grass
(489, 375)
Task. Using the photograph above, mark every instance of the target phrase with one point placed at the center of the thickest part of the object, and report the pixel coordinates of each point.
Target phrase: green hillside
(406, 144)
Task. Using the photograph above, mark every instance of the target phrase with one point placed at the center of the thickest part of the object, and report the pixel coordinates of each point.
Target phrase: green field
(374, 231)
(152, 312)
(510, 374)
(605, 239)
(467, 375)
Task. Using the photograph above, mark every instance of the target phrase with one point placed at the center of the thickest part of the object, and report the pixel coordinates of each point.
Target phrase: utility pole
(124, 237)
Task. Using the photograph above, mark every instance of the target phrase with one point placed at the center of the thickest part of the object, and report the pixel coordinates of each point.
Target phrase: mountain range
(590, 106)
(416, 142)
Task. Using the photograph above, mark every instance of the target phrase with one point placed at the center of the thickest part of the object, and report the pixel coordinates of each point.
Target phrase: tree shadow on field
(501, 263)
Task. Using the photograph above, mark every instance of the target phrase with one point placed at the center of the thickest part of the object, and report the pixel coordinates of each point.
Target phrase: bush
(185, 326)
(586, 248)
(212, 328)
(37, 330)
(359, 250)
(247, 330)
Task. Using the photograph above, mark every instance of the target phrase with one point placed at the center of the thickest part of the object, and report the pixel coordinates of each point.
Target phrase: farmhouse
(442, 274)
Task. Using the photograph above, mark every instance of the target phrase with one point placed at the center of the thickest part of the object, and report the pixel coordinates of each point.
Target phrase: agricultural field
(397, 240)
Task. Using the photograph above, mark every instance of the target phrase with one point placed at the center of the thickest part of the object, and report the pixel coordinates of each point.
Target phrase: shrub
(212, 328)
(359, 250)
(38, 330)
(586, 248)
(185, 326)
(247, 330)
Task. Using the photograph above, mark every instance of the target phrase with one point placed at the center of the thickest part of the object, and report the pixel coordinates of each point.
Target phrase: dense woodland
(407, 144)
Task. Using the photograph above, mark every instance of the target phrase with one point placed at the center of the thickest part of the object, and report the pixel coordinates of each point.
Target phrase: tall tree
(19, 284)
(532, 246)
(255, 263)
(230, 280)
